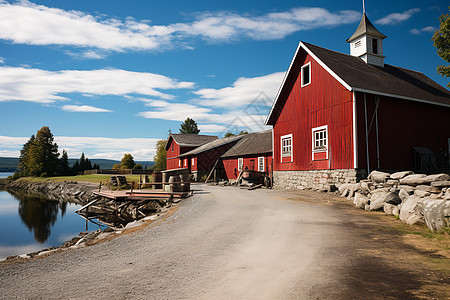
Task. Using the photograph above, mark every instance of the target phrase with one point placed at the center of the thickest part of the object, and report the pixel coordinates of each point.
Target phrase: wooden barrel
(185, 184)
(174, 183)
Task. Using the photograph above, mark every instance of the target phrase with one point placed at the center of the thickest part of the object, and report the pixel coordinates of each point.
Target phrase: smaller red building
(203, 159)
(252, 152)
(178, 144)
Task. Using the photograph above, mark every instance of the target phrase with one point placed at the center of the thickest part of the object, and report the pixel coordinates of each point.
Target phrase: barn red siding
(323, 102)
(173, 162)
(251, 162)
(402, 124)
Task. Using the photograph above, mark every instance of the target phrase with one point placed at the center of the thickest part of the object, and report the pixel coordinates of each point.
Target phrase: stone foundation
(315, 179)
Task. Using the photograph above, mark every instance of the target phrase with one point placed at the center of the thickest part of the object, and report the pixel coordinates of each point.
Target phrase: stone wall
(316, 179)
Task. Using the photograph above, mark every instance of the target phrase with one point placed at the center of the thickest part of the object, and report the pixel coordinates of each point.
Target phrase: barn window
(375, 46)
(320, 142)
(306, 74)
(172, 147)
(260, 164)
(193, 161)
(240, 164)
(185, 162)
(179, 163)
(358, 44)
(286, 147)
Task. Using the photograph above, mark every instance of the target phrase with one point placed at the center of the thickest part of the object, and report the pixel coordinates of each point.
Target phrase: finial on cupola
(367, 42)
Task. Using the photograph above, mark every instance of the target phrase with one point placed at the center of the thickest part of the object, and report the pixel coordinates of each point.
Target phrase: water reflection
(39, 214)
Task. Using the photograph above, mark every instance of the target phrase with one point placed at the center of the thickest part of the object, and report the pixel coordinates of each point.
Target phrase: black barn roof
(252, 144)
(190, 140)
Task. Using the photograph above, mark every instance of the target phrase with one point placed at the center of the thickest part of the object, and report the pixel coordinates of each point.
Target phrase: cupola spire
(367, 42)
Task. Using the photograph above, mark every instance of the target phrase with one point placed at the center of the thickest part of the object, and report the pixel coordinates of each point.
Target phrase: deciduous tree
(441, 39)
(161, 155)
(127, 162)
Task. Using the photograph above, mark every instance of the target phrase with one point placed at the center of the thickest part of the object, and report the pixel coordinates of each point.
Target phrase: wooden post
(215, 175)
(100, 186)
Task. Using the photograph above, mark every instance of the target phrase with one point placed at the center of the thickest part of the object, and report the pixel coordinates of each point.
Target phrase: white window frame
(185, 162)
(193, 161)
(285, 137)
(179, 163)
(261, 164)
(240, 164)
(308, 65)
(321, 140)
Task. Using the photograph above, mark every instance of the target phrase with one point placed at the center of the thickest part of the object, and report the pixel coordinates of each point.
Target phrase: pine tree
(64, 164)
(24, 160)
(189, 126)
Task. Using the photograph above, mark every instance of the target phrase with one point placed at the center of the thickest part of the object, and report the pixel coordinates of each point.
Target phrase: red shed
(202, 160)
(338, 116)
(253, 151)
(178, 144)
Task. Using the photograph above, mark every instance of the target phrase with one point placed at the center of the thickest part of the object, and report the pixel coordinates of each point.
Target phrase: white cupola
(367, 43)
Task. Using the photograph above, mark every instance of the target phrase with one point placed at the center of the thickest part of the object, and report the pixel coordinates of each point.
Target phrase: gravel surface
(223, 243)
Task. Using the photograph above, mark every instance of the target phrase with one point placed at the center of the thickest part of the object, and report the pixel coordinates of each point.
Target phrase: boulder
(378, 177)
(425, 188)
(345, 186)
(364, 187)
(433, 212)
(389, 208)
(378, 199)
(414, 179)
(411, 211)
(391, 183)
(441, 183)
(400, 175)
(447, 195)
(360, 200)
(353, 189)
(403, 195)
(435, 177)
(421, 194)
(409, 189)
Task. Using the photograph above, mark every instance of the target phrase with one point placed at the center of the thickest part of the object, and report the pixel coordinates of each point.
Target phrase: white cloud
(83, 108)
(28, 23)
(243, 91)
(2, 60)
(35, 85)
(422, 30)
(208, 128)
(93, 147)
(396, 18)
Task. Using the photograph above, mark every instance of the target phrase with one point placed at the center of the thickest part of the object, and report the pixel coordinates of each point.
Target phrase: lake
(31, 223)
(5, 174)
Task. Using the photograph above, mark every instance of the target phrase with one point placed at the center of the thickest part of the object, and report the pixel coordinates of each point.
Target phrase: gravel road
(226, 243)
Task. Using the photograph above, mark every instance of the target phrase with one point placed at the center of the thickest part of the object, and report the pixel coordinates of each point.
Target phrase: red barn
(338, 116)
(203, 159)
(253, 151)
(178, 144)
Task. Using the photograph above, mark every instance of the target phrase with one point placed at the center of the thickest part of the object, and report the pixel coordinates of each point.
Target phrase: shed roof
(190, 140)
(212, 145)
(356, 75)
(251, 144)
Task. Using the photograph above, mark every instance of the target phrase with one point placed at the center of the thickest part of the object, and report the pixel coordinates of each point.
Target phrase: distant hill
(10, 164)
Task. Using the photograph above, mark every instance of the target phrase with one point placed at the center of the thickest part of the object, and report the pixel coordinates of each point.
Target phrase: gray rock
(396, 210)
(391, 183)
(360, 200)
(400, 175)
(389, 208)
(433, 212)
(345, 186)
(422, 187)
(441, 183)
(447, 195)
(378, 199)
(411, 211)
(364, 187)
(421, 194)
(378, 177)
(407, 188)
(403, 195)
(435, 177)
(414, 179)
(367, 207)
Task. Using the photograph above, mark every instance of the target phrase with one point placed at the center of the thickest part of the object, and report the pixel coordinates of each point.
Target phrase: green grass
(80, 178)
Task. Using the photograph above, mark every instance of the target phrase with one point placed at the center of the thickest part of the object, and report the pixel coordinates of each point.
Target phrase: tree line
(39, 157)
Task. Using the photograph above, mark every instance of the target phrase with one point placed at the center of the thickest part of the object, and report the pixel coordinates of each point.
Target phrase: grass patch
(80, 178)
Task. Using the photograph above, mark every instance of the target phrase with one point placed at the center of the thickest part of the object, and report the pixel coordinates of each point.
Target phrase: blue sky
(112, 77)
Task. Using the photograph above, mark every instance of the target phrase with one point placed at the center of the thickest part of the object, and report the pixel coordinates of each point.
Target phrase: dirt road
(228, 243)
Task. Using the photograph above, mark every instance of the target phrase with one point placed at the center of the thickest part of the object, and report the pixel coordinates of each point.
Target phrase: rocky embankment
(413, 198)
(66, 190)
